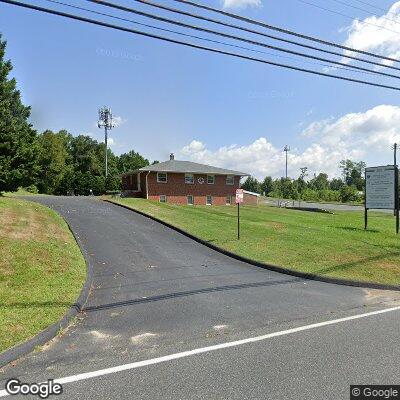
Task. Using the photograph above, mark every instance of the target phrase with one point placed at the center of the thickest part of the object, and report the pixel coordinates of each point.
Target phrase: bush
(32, 189)
(349, 193)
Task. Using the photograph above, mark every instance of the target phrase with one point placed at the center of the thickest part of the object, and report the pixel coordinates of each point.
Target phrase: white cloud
(118, 121)
(241, 3)
(378, 34)
(360, 136)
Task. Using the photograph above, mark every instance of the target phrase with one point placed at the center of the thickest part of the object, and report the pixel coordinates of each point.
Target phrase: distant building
(250, 197)
(183, 182)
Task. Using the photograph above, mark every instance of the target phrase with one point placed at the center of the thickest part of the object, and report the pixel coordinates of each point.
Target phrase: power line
(349, 17)
(192, 45)
(229, 36)
(252, 21)
(170, 30)
(376, 7)
(267, 35)
(198, 37)
(363, 10)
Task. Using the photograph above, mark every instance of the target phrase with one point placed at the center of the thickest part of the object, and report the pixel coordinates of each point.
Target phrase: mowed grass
(41, 269)
(324, 244)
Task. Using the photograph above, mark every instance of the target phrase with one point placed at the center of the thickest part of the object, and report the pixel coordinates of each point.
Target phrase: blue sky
(206, 107)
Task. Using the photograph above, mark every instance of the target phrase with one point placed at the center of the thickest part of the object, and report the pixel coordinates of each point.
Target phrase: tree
(353, 173)
(319, 182)
(52, 159)
(131, 161)
(349, 193)
(303, 173)
(336, 184)
(252, 185)
(18, 145)
(267, 185)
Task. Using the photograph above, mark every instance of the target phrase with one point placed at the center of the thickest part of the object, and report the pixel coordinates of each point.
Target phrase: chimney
(171, 156)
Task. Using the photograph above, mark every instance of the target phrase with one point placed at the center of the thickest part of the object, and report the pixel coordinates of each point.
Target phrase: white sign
(380, 187)
(239, 196)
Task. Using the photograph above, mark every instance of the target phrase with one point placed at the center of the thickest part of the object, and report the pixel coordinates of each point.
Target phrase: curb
(270, 267)
(52, 331)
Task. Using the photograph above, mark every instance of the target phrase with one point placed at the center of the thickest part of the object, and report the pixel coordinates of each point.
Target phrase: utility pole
(394, 148)
(106, 121)
(286, 149)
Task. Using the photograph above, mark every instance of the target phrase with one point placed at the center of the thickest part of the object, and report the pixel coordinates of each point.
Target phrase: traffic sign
(239, 196)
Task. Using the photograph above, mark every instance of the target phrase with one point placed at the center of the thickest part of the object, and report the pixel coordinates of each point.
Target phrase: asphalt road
(157, 293)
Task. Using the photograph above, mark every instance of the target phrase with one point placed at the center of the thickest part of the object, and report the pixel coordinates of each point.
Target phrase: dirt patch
(374, 296)
(30, 225)
(277, 226)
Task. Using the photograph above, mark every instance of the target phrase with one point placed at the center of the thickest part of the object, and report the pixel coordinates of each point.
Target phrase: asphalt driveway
(157, 292)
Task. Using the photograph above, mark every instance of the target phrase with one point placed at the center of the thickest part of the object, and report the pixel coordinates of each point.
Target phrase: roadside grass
(41, 269)
(324, 244)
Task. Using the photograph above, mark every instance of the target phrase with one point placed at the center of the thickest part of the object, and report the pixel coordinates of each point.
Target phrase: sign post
(382, 191)
(239, 199)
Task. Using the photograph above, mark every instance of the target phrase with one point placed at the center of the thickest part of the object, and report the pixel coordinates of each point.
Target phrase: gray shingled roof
(187, 167)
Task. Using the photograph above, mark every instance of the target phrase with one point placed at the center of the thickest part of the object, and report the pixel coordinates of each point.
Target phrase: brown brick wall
(250, 199)
(176, 189)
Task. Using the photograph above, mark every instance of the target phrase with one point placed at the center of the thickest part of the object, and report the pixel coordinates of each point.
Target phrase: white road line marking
(152, 361)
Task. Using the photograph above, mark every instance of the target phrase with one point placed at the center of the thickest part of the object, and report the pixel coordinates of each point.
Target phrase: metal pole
(238, 219)
(106, 155)
(396, 193)
(395, 165)
(286, 164)
(365, 202)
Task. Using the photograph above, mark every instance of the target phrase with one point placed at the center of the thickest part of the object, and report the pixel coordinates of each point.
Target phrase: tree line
(51, 162)
(348, 188)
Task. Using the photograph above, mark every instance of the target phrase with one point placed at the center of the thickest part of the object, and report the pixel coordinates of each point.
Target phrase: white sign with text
(380, 187)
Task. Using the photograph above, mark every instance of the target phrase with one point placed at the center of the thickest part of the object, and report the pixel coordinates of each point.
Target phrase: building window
(230, 179)
(228, 200)
(190, 200)
(209, 201)
(163, 198)
(210, 179)
(161, 177)
(189, 178)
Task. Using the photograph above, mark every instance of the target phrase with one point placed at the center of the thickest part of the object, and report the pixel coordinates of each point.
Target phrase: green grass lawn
(41, 269)
(323, 244)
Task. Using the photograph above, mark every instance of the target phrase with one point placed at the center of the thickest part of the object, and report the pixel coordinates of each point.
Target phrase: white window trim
(166, 177)
(162, 195)
(189, 183)
(187, 200)
(213, 182)
(207, 203)
(233, 180)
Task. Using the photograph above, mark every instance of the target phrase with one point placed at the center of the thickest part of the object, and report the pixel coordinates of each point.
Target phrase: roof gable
(177, 166)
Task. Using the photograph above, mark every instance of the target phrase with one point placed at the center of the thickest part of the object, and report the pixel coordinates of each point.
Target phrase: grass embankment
(323, 244)
(41, 269)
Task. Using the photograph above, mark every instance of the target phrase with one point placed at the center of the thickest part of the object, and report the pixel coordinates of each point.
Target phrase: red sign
(239, 196)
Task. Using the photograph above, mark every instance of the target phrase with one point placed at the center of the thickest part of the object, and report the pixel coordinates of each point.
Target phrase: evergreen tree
(252, 185)
(18, 145)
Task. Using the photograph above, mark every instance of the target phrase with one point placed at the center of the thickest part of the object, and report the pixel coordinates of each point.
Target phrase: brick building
(182, 182)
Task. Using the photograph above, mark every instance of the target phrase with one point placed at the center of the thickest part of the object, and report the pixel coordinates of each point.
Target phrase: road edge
(49, 333)
(270, 267)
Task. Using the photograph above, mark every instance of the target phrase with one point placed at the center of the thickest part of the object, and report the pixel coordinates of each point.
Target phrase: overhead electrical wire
(268, 26)
(347, 16)
(192, 45)
(377, 7)
(349, 68)
(242, 39)
(363, 10)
